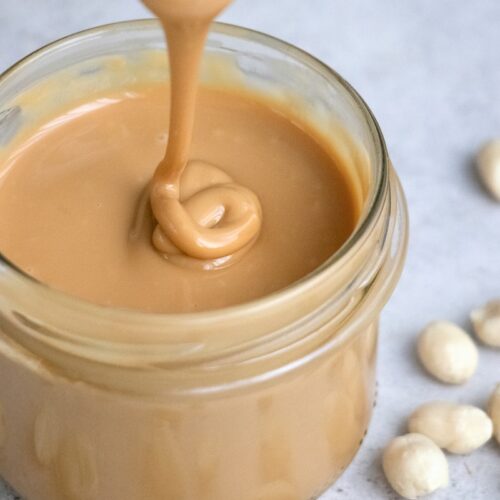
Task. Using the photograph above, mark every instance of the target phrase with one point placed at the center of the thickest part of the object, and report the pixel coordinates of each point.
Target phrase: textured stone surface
(429, 70)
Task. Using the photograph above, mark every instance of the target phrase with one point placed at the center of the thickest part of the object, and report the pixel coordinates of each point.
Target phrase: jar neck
(217, 351)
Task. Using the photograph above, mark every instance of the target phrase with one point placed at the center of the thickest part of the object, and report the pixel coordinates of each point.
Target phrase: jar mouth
(248, 309)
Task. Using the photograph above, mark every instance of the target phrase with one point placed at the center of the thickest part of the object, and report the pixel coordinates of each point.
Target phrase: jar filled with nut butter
(264, 399)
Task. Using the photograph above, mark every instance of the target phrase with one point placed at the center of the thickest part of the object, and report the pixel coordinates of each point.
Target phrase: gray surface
(430, 71)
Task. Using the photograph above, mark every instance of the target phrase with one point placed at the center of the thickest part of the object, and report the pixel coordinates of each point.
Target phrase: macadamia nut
(447, 352)
(494, 411)
(486, 322)
(456, 428)
(488, 166)
(415, 466)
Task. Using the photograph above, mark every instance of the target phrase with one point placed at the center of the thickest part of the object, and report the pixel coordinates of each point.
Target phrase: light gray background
(430, 71)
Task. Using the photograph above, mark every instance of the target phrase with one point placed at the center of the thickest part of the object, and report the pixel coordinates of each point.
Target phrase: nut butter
(75, 199)
(123, 396)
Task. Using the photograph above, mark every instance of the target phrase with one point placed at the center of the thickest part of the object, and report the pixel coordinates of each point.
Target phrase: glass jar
(269, 400)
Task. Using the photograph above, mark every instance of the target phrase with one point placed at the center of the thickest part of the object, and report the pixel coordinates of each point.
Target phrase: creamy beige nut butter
(70, 199)
(209, 327)
(72, 191)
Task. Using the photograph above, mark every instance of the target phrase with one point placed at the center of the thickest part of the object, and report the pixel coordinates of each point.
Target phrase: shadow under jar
(269, 400)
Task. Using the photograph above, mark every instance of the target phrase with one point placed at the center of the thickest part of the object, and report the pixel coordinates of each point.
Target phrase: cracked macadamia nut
(486, 322)
(456, 428)
(415, 466)
(488, 166)
(447, 352)
(494, 411)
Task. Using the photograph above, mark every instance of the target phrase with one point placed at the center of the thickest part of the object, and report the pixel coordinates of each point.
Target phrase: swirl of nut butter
(209, 223)
(204, 219)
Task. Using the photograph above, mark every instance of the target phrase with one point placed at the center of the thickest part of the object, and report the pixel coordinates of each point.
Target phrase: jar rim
(256, 306)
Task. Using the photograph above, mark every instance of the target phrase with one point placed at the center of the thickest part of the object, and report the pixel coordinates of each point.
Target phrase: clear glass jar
(269, 400)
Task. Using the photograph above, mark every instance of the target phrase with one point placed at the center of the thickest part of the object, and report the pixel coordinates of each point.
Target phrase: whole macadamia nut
(486, 322)
(456, 428)
(415, 466)
(447, 352)
(488, 166)
(494, 411)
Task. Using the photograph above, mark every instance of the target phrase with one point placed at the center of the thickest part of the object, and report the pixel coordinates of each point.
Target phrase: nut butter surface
(70, 194)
